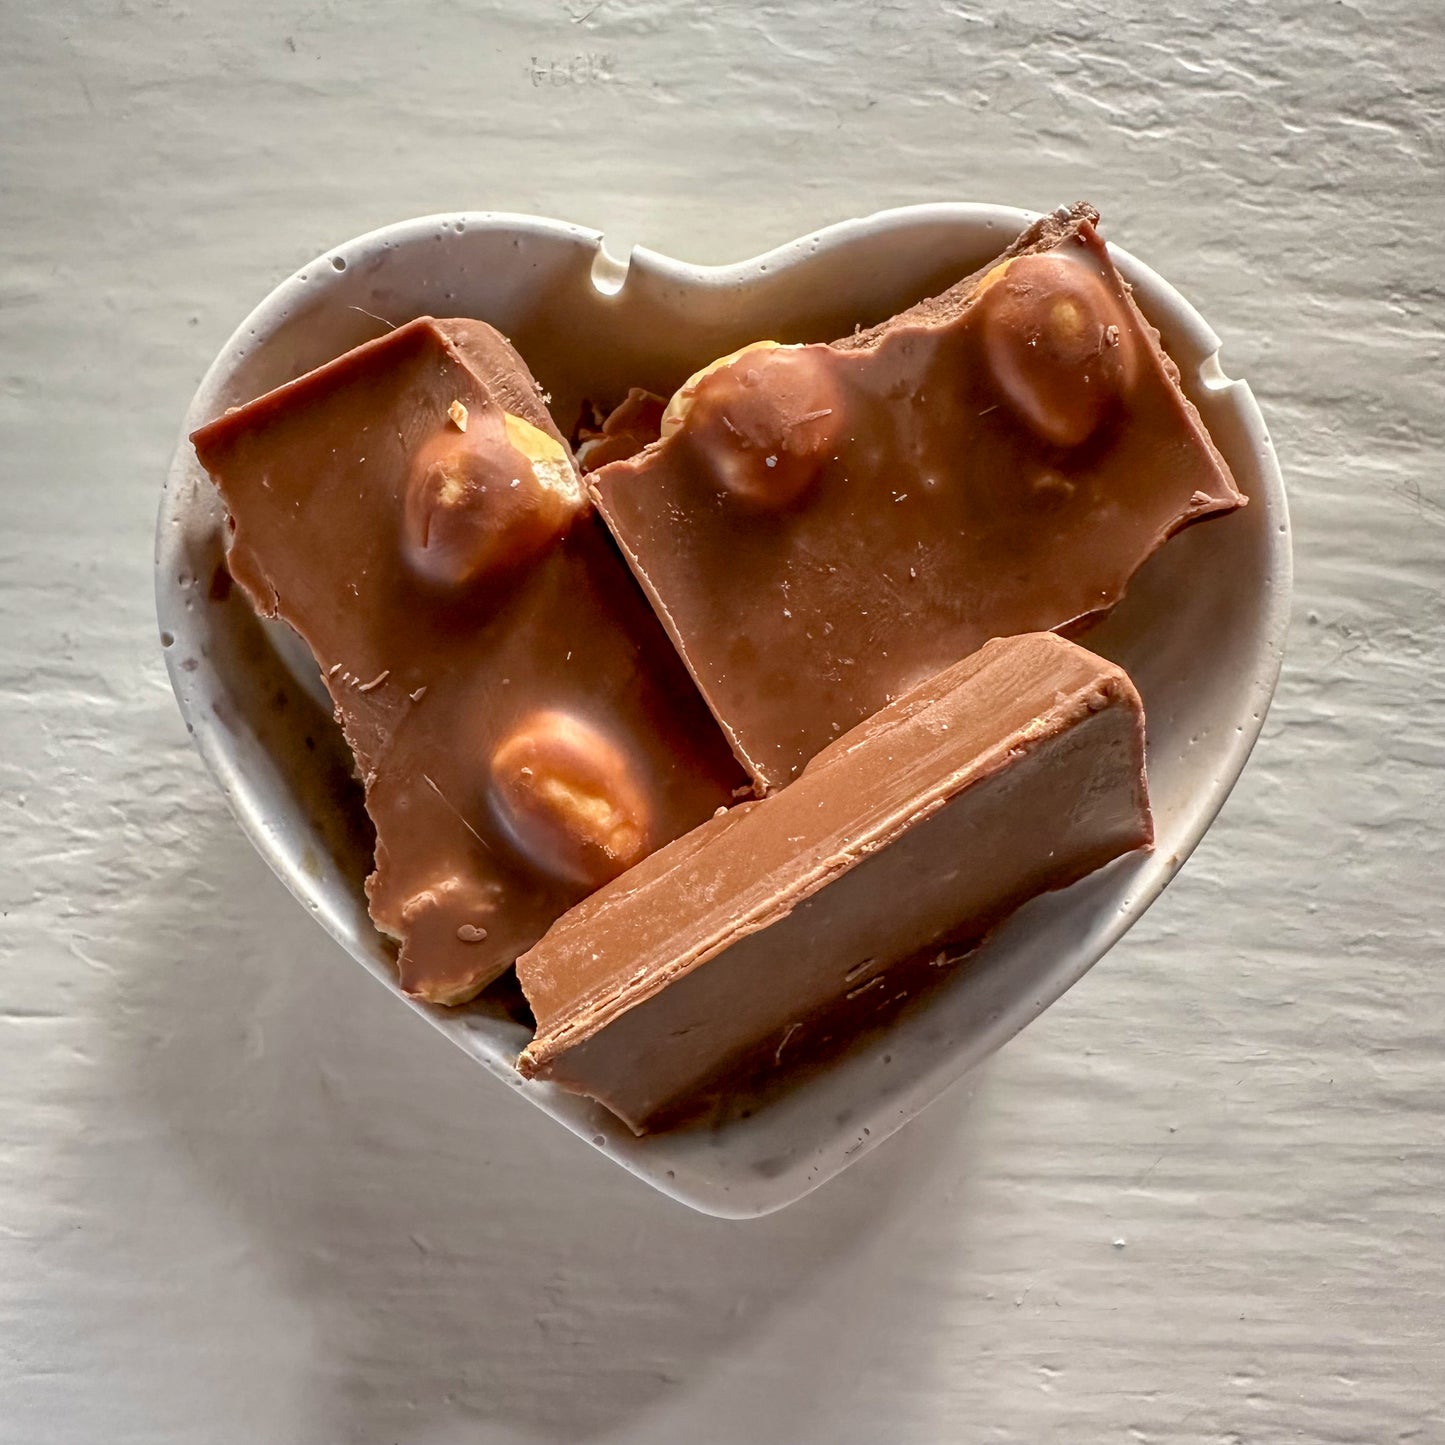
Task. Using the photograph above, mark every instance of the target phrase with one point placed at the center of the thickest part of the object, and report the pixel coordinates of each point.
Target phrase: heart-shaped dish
(1200, 632)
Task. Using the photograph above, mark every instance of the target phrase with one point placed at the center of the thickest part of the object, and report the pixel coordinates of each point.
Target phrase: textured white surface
(1199, 1201)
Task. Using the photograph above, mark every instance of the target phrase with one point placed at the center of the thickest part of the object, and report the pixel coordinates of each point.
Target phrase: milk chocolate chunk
(821, 527)
(783, 417)
(613, 435)
(1017, 770)
(569, 799)
(484, 497)
(523, 726)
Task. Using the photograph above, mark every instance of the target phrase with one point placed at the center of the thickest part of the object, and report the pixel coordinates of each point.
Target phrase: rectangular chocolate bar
(822, 527)
(524, 728)
(1017, 770)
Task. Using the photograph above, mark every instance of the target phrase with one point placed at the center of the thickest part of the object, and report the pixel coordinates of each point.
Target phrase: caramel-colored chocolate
(522, 724)
(822, 527)
(1017, 770)
(635, 422)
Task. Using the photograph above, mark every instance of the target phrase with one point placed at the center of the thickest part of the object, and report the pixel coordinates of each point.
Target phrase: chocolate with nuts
(823, 527)
(1017, 770)
(522, 724)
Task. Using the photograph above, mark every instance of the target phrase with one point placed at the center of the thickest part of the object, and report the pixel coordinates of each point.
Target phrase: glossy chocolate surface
(522, 725)
(823, 527)
(1017, 770)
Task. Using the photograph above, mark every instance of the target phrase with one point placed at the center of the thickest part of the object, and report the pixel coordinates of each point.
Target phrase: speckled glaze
(1200, 632)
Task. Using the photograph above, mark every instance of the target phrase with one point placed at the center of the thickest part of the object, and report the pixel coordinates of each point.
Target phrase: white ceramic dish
(1201, 630)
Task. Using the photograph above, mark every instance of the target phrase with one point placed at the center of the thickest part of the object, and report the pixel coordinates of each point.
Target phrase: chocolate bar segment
(1017, 770)
(522, 724)
(822, 527)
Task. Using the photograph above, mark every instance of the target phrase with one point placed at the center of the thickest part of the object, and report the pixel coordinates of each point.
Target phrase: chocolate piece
(821, 527)
(1017, 770)
(632, 424)
(523, 726)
